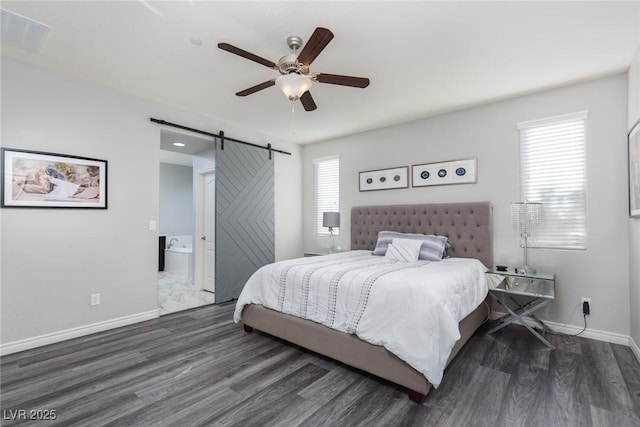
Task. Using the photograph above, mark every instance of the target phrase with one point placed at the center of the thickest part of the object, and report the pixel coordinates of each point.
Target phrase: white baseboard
(634, 348)
(54, 337)
(593, 334)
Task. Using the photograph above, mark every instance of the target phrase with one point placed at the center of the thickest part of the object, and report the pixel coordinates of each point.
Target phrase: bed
(468, 227)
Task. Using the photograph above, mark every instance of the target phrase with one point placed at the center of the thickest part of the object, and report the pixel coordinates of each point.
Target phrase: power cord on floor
(570, 319)
(583, 329)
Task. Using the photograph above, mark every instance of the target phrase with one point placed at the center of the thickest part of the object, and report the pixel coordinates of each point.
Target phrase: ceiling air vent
(23, 32)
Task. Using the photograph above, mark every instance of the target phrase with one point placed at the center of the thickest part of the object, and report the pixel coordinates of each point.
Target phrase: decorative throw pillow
(403, 250)
(432, 249)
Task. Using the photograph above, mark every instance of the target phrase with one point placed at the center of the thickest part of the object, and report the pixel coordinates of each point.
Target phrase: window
(553, 172)
(327, 183)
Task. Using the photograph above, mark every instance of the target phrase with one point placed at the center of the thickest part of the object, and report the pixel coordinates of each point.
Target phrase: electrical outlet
(95, 299)
(586, 310)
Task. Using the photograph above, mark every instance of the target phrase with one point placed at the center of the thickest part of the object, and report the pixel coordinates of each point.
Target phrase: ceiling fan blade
(307, 101)
(250, 56)
(318, 41)
(336, 79)
(257, 87)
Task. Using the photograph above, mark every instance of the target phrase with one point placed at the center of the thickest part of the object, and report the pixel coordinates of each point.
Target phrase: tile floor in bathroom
(176, 293)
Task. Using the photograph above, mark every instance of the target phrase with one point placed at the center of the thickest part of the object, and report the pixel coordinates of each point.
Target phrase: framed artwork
(634, 170)
(385, 179)
(451, 172)
(35, 179)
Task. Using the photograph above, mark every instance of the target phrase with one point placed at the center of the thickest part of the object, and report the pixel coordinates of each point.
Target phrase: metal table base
(518, 313)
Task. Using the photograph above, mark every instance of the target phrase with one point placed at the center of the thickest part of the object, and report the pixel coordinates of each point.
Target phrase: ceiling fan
(296, 80)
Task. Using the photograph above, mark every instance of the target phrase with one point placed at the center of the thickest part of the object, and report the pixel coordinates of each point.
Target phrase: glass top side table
(537, 289)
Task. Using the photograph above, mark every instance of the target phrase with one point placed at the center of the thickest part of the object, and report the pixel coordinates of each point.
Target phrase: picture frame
(384, 179)
(633, 150)
(38, 179)
(462, 171)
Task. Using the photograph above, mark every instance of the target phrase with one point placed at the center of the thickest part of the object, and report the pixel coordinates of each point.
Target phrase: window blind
(553, 172)
(327, 190)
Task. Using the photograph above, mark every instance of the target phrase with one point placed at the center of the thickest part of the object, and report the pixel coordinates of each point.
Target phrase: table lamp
(330, 220)
(525, 216)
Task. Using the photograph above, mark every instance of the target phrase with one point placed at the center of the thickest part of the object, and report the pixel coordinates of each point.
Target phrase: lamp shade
(331, 219)
(293, 85)
(525, 216)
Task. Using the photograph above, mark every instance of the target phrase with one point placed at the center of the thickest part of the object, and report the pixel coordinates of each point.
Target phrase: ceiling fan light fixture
(293, 85)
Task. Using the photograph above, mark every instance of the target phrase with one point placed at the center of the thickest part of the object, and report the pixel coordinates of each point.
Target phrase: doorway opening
(186, 260)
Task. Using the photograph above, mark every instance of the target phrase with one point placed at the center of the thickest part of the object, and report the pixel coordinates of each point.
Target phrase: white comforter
(412, 309)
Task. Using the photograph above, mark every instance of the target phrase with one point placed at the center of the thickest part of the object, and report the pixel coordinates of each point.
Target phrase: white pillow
(403, 250)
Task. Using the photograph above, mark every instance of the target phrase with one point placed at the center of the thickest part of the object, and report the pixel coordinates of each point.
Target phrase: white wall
(53, 259)
(204, 161)
(288, 206)
(489, 133)
(176, 199)
(634, 224)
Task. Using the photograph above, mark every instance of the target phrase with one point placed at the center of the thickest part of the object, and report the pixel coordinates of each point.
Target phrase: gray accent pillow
(432, 248)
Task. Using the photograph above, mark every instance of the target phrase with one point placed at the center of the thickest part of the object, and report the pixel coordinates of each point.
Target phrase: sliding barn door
(244, 216)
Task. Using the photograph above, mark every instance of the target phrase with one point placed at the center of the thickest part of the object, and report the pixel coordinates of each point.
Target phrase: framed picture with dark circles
(384, 179)
(441, 173)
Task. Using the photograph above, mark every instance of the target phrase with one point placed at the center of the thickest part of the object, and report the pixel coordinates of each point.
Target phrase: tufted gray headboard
(468, 226)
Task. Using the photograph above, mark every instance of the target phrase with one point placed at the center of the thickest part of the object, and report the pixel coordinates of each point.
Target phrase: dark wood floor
(199, 368)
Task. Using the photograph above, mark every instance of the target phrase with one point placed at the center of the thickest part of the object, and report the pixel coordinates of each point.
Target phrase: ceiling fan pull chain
(293, 117)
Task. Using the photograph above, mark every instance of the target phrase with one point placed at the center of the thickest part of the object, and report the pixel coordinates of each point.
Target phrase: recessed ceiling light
(178, 144)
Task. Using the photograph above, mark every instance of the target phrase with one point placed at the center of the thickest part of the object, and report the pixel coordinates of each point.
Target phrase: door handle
(203, 238)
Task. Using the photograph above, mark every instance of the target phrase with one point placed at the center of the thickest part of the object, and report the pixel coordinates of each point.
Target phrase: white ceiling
(423, 58)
